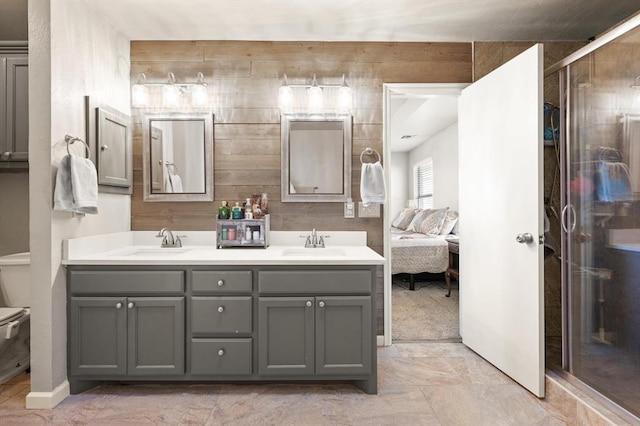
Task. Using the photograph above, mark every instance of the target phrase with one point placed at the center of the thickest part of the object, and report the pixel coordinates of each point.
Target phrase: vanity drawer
(315, 282)
(221, 282)
(230, 315)
(126, 282)
(221, 357)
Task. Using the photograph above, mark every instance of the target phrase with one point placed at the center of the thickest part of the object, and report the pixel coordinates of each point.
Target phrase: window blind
(424, 184)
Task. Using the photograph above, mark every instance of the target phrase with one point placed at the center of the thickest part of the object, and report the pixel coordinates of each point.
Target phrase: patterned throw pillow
(432, 224)
(404, 218)
(450, 221)
(414, 226)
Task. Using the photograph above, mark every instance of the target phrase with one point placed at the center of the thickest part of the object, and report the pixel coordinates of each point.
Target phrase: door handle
(525, 238)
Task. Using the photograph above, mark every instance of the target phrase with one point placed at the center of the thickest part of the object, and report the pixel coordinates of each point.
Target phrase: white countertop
(625, 239)
(142, 248)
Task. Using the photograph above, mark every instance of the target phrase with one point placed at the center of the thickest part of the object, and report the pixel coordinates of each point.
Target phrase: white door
(501, 279)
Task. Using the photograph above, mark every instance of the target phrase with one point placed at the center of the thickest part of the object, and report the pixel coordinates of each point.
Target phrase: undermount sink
(160, 251)
(313, 252)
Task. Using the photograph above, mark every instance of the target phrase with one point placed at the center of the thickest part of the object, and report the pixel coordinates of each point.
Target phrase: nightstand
(452, 270)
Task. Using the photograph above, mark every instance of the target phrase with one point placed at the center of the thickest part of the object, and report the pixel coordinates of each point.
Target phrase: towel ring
(369, 151)
(171, 166)
(71, 139)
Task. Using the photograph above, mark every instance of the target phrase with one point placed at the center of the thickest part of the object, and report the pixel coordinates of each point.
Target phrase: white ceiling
(364, 20)
(371, 20)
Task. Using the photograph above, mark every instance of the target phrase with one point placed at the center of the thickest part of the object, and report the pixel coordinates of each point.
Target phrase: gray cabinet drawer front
(315, 282)
(222, 282)
(235, 318)
(127, 282)
(221, 357)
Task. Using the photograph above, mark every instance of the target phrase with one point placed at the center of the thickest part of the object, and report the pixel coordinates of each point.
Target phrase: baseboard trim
(45, 400)
(380, 340)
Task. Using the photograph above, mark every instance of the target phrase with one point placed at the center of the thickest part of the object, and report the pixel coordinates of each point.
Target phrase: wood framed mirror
(177, 154)
(316, 158)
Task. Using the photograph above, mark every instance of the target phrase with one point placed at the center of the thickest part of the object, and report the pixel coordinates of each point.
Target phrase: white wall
(73, 53)
(443, 149)
(399, 179)
(14, 213)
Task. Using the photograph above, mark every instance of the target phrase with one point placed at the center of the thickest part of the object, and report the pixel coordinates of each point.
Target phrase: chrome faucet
(314, 241)
(168, 239)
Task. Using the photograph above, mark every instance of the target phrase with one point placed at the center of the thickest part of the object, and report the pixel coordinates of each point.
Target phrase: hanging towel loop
(369, 151)
(71, 139)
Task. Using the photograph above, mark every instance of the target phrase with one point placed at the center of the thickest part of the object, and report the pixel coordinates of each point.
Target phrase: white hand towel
(76, 187)
(372, 189)
(176, 183)
(84, 184)
(168, 187)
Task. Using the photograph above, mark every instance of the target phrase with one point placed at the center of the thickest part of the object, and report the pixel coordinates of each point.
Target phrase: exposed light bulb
(285, 96)
(170, 92)
(140, 92)
(199, 93)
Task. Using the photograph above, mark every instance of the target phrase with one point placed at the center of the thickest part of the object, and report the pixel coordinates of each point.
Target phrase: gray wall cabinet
(14, 107)
(207, 324)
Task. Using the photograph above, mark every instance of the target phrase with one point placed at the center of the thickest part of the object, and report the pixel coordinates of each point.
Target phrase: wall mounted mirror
(178, 156)
(316, 158)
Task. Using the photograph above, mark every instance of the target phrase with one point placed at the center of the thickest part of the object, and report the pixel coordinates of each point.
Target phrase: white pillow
(456, 228)
(450, 221)
(404, 218)
(432, 224)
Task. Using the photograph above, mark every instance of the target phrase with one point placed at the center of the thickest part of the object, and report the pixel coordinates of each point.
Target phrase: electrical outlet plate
(349, 210)
(372, 210)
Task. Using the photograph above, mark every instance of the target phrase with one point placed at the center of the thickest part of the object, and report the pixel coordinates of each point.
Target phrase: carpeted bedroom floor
(424, 314)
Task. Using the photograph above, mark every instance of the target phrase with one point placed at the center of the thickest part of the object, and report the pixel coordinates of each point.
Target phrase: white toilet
(14, 316)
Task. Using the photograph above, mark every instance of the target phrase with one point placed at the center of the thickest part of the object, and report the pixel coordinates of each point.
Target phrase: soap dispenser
(223, 211)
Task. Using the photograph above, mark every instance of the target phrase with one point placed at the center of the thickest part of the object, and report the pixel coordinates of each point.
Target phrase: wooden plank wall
(243, 79)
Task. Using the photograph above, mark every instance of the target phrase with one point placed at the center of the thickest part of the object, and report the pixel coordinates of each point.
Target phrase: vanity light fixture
(140, 92)
(199, 93)
(172, 91)
(317, 96)
(285, 96)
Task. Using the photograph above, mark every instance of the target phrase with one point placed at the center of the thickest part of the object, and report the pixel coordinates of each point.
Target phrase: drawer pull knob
(221, 309)
(321, 304)
(130, 305)
(118, 305)
(221, 352)
(309, 303)
(220, 283)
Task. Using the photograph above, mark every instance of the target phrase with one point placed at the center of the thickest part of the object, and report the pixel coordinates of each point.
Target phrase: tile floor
(418, 384)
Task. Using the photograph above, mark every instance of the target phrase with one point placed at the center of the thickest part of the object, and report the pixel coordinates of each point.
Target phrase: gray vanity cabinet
(136, 336)
(221, 318)
(316, 323)
(329, 335)
(125, 323)
(286, 336)
(221, 323)
(98, 336)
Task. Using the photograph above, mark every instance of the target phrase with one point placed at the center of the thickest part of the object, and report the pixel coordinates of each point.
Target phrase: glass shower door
(601, 221)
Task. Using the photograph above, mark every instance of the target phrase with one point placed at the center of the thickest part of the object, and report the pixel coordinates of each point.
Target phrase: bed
(414, 253)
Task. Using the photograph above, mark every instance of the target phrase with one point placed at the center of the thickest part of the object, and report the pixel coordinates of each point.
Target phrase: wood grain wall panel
(243, 80)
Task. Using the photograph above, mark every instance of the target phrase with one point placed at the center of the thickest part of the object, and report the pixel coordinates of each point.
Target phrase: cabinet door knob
(220, 283)
(221, 352)
(321, 304)
(104, 148)
(309, 303)
(130, 305)
(118, 305)
(221, 309)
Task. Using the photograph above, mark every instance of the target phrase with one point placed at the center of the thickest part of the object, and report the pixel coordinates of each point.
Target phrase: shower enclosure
(601, 217)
